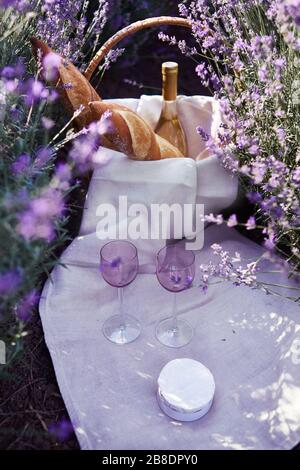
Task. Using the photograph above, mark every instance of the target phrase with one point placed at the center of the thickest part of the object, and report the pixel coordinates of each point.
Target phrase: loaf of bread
(130, 134)
(74, 89)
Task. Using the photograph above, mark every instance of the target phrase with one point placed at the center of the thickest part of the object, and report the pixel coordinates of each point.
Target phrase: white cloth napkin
(216, 188)
(175, 180)
(247, 339)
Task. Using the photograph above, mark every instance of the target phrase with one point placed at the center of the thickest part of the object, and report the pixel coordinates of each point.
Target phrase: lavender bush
(36, 177)
(248, 54)
(34, 181)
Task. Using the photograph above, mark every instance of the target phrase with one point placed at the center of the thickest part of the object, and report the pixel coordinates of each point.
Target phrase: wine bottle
(169, 126)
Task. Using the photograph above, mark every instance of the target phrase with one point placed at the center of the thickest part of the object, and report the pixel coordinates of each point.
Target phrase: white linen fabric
(248, 340)
(169, 181)
(216, 188)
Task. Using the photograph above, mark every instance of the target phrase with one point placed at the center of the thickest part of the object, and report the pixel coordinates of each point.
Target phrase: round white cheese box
(185, 389)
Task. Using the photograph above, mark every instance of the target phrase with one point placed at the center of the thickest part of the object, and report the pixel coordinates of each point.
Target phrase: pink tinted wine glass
(175, 270)
(119, 267)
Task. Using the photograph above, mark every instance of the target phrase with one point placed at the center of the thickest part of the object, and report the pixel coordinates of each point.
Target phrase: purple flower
(203, 73)
(226, 268)
(270, 243)
(251, 223)
(8, 72)
(63, 172)
(258, 171)
(202, 133)
(10, 86)
(47, 123)
(254, 197)
(175, 278)
(254, 150)
(116, 262)
(37, 220)
(43, 157)
(26, 305)
(112, 57)
(86, 152)
(216, 219)
(263, 73)
(296, 175)
(21, 165)
(60, 19)
(9, 281)
(13, 71)
(232, 221)
(19, 5)
(62, 430)
(51, 64)
(258, 103)
(281, 135)
(34, 92)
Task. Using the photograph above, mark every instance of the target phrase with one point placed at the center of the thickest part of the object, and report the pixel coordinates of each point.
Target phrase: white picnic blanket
(250, 341)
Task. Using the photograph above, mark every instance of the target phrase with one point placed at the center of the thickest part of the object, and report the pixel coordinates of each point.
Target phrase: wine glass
(119, 267)
(175, 270)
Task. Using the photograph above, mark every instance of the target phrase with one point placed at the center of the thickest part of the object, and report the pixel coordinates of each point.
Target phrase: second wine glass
(175, 270)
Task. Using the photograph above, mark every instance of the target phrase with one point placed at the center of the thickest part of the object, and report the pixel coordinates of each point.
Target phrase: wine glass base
(121, 329)
(174, 338)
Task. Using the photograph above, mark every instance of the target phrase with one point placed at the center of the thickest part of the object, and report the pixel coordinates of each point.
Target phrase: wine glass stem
(121, 307)
(175, 326)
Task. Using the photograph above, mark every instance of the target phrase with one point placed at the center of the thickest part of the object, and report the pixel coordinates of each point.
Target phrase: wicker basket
(127, 31)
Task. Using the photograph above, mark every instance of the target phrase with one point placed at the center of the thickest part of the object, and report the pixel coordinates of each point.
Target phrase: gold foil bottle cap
(169, 67)
(170, 77)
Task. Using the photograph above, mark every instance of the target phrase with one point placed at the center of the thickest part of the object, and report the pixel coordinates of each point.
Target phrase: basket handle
(132, 28)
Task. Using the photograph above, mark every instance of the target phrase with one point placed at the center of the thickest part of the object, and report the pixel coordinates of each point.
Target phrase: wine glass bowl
(175, 271)
(119, 263)
(119, 267)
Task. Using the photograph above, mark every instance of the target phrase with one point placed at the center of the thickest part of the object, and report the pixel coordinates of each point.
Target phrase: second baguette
(131, 135)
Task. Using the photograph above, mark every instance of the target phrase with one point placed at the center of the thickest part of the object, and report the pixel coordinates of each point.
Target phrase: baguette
(131, 135)
(74, 89)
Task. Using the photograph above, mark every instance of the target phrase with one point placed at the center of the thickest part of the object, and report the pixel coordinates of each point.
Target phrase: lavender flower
(251, 223)
(232, 221)
(37, 220)
(257, 70)
(203, 134)
(215, 219)
(9, 282)
(47, 123)
(34, 92)
(26, 305)
(43, 157)
(21, 165)
(63, 25)
(62, 430)
(19, 5)
(51, 64)
(112, 57)
(227, 269)
(86, 152)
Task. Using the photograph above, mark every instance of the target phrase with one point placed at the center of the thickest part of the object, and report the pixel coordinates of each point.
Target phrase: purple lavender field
(244, 53)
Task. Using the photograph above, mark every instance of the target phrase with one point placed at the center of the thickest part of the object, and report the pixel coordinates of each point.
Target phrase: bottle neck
(169, 109)
(169, 85)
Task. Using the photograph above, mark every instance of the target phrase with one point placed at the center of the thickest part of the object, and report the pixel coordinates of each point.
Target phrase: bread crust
(129, 133)
(132, 135)
(79, 93)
